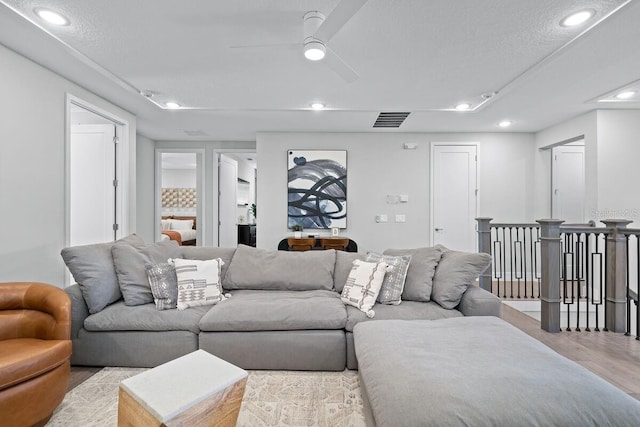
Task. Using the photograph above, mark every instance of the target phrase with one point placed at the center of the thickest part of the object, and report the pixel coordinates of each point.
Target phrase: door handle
(439, 229)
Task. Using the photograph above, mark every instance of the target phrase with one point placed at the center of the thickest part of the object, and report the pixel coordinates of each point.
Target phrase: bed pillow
(129, 262)
(165, 224)
(198, 282)
(181, 224)
(393, 283)
(363, 285)
(92, 268)
(455, 273)
(419, 281)
(164, 285)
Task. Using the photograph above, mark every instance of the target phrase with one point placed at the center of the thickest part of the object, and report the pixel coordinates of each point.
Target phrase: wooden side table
(198, 389)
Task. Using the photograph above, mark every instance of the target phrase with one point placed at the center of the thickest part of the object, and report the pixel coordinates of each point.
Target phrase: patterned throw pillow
(198, 282)
(164, 285)
(393, 283)
(363, 285)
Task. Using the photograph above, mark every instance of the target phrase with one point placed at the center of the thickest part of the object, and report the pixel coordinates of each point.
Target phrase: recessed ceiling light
(317, 106)
(463, 106)
(577, 18)
(505, 123)
(51, 17)
(314, 50)
(626, 95)
(172, 105)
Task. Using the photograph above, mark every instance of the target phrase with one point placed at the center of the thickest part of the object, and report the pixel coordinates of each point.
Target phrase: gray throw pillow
(253, 268)
(164, 285)
(92, 269)
(393, 283)
(344, 264)
(455, 273)
(129, 262)
(419, 281)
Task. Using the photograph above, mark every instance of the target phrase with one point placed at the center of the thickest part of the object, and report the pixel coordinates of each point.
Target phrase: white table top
(169, 389)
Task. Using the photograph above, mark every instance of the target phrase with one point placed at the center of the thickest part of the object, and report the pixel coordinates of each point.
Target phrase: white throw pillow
(165, 224)
(363, 285)
(198, 282)
(181, 224)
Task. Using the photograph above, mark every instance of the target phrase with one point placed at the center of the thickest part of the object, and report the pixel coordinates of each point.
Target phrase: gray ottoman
(478, 371)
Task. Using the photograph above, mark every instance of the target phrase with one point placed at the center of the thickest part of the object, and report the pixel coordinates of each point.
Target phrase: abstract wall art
(317, 188)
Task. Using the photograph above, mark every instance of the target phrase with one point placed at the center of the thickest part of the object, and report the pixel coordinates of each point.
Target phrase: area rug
(271, 398)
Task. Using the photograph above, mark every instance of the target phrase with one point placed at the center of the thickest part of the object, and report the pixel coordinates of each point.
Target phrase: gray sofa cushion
(253, 268)
(408, 310)
(393, 284)
(205, 253)
(92, 268)
(463, 371)
(455, 272)
(276, 311)
(129, 262)
(419, 281)
(344, 263)
(120, 317)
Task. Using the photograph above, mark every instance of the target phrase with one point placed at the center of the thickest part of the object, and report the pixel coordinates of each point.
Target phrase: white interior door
(227, 202)
(92, 190)
(453, 196)
(568, 183)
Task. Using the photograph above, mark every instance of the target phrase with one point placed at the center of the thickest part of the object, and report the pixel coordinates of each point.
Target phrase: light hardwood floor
(612, 356)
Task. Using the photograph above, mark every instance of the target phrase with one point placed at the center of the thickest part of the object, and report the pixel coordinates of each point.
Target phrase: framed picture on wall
(317, 188)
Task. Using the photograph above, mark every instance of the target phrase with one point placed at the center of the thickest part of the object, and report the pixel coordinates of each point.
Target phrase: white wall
(178, 178)
(618, 167)
(584, 125)
(377, 166)
(32, 168)
(145, 154)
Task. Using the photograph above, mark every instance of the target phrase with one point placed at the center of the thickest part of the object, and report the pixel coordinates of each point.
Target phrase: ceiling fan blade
(341, 68)
(340, 15)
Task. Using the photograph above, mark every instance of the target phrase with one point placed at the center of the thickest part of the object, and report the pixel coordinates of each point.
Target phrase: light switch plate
(401, 218)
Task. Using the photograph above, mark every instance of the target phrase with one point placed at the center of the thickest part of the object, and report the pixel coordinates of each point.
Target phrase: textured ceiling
(411, 55)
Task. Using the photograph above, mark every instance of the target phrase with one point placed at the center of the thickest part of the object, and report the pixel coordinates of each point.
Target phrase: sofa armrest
(79, 309)
(478, 302)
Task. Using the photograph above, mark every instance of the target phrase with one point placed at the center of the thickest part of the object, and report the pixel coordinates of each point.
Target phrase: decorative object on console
(393, 283)
(198, 282)
(317, 188)
(363, 285)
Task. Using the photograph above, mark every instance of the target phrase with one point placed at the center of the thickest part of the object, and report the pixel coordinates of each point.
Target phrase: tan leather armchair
(35, 347)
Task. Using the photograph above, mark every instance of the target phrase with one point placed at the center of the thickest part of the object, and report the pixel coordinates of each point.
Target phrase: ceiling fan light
(463, 106)
(505, 123)
(314, 50)
(317, 106)
(172, 105)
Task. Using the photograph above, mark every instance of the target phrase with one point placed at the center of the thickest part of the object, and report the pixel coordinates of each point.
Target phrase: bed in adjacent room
(182, 229)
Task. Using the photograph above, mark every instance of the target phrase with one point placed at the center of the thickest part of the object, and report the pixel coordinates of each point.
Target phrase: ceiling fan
(317, 31)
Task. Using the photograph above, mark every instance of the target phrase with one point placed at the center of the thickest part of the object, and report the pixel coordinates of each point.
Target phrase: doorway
(568, 182)
(97, 156)
(454, 195)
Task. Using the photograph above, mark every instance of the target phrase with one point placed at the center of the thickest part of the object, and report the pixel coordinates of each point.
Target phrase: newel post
(616, 276)
(550, 274)
(484, 246)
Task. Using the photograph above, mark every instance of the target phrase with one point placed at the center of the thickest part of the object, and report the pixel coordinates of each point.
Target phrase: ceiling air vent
(390, 120)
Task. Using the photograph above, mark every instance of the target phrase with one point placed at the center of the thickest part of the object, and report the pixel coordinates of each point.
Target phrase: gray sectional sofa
(284, 310)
